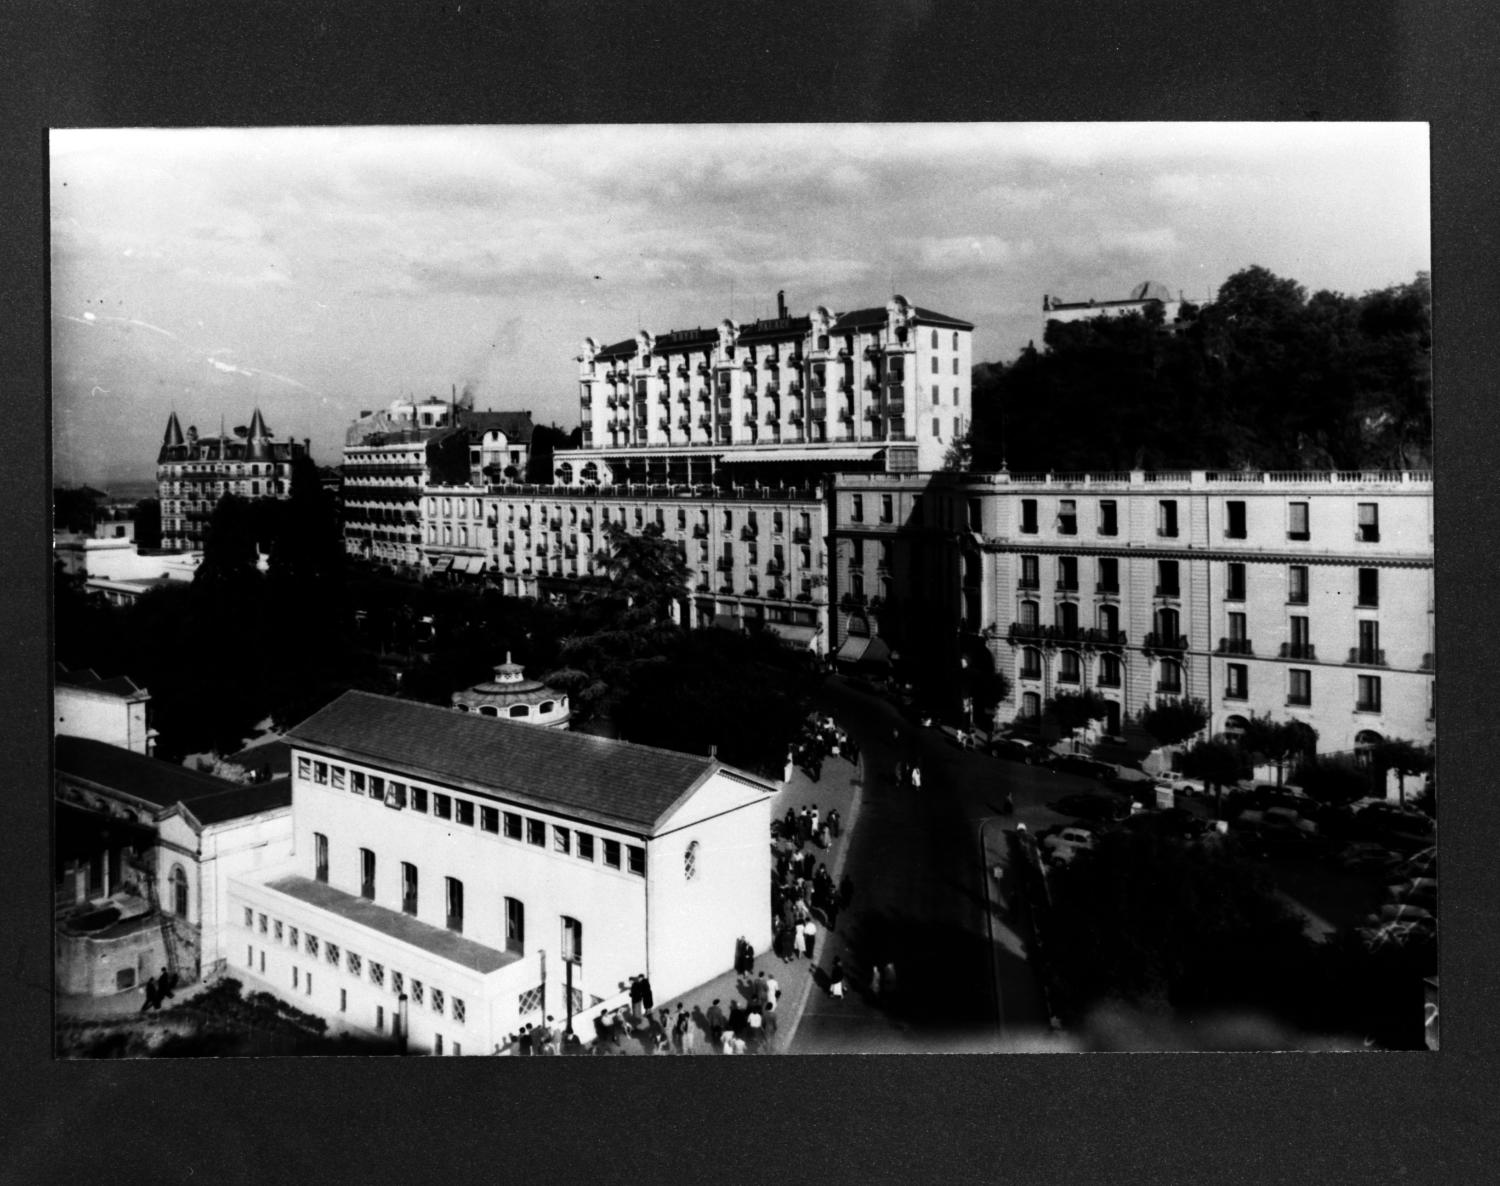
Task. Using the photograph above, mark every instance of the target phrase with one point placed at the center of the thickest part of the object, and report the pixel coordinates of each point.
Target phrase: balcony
(1366, 657)
(665, 424)
(1165, 642)
(724, 564)
(776, 593)
(1299, 650)
(685, 423)
(705, 421)
(852, 601)
(801, 535)
(775, 567)
(872, 383)
(1029, 583)
(1109, 588)
(749, 532)
(700, 530)
(1235, 646)
(704, 369)
(1064, 586)
(682, 370)
(1103, 638)
(1367, 535)
(1168, 688)
(1168, 591)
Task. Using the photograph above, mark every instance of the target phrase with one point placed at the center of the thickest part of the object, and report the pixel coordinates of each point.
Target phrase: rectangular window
(1067, 516)
(408, 888)
(1369, 643)
(1299, 687)
(585, 846)
(512, 825)
(395, 794)
(336, 774)
(1368, 694)
(304, 768)
(562, 840)
(515, 925)
(1234, 582)
(857, 514)
(459, 1013)
(1237, 627)
(249, 917)
(377, 787)
(438, 1000)
(1067, 573)
(332, 954)
(1369, 522)
(312, 944)
(437, 1044)
(1234, 519)
(1030, 570)
(464, 812)
(377, 974)
(442, 805)
(637, 859)
(357, 781)
(356, 965)
(1109, 517)
(1296, 584)
(1028, 516)
(263, 924)
(1109, 575)
(1297, 526)
(536, 832)
(1067, 667)
(292, 937)
(1166, 518)
(320, 856)
(489, 819)
(612, 853)
(1369, 587)
(296, 976)
(1237, 684)
(380, 1019)
(887, 508)
(1166, 579)
(343, 1000)
(455, 904)
(1300, 646)
(398, 982)
(572, 940)
(367, 874)
(320, 773)
(419, 799)
(416, 992)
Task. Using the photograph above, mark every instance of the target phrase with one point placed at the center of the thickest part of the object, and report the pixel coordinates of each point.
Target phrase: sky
(317, 273)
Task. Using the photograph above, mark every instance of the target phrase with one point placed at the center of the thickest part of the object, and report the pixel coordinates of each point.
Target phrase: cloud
(966, 251)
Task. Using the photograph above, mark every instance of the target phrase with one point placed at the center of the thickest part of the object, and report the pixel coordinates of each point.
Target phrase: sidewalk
(839, 787)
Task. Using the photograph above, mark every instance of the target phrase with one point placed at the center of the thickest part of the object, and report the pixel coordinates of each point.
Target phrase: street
(919, 861)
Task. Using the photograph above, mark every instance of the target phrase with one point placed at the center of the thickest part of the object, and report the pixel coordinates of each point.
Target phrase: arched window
(1166, 625)
(1365, 742)
(1031, 663)
(1109, 619)
(1109, 670)
(565, 473)
(462, 707)
(1068, 668)
(179, 892)
(546, 706)
(1067, 617)
(520, 710)
(488, 710)
(1235, 726)
(1170, 681)
(1029, 616)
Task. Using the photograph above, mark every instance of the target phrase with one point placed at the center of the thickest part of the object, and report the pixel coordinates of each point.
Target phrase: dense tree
(1219, 764)
(1278, 742)
(546, 439)
(649, 569)
(1163, 924)
(1404, 757)
(1263, 377)
(74, 508)
(1074, 710)
(1333, 779)
(1172, 721)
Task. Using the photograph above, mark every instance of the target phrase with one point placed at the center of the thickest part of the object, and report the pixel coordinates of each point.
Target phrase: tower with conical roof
(258, 439)
(172, 439)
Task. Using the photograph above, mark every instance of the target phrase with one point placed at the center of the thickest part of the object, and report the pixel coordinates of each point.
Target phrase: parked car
(1017, 749)
(1095, 806)
(1402, 828)
(1080, 765)
(1365, 856)
(1062, 846)
(1172, 822)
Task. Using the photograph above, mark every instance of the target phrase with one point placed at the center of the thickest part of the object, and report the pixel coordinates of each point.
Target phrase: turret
(172, 439)
(258, 439)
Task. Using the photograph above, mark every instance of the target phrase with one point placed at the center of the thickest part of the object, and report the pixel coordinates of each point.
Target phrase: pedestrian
(824, 838)
(916, 777)
(836, 979)
(637, 996)
(875, 982)
(165, 983)
(753, 1024)
(715, 1016)
(813, 831)
(153, 996)
(736, 1019)
(790, 822)
(728, 1043)
(679, 1031)
(804, 824)
(809, 938)
(646, 997)
(835, 823)
(760, 989)
(526, 1039)
(831, 912)
(773, 994)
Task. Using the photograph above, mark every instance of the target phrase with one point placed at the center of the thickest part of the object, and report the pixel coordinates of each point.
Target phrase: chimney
(713, 751)
(781, 302)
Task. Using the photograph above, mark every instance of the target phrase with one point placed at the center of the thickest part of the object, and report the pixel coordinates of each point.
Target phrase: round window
(690, 861)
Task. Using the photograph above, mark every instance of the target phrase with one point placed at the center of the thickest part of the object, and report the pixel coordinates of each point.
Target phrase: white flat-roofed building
(461, 877)
(113, 711)
(1304, 595)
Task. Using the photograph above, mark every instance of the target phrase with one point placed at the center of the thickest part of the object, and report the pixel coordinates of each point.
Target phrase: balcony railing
(1168, 688)
(1168, 590)
(1299, 650)
(775, 567)
(1107, 587)
(749, 532)
(852, 600)
(725, 564)
(700, 531)
(1235, 646)
(1067, 586)
(1165, 642)
(1367, 656)
(801, 535)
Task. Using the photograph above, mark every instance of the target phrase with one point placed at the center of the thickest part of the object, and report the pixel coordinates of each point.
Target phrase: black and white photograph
(742, 589)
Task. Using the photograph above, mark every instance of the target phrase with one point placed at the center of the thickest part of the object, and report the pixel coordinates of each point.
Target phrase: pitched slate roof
(516, 426)
(861, 318)
(623, 349)
(615, 783)
(163, 784)
(88, 680)
(675, 341)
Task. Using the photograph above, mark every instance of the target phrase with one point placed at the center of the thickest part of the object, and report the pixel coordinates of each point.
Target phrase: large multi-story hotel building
(392, 456)
(880, 388)
(1302, 595)
(454, 878)
(193, 473)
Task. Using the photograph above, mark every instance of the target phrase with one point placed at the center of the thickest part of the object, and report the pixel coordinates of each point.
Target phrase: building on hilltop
(454, 878)
(1143, 299)
(193, 473)
(1303, 595)
(392, 456)
(512, 696)
(142, 852)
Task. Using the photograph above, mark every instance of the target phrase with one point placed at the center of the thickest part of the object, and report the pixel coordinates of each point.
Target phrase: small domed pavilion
(512, 696)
